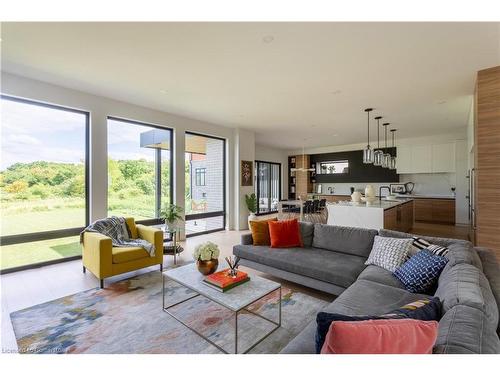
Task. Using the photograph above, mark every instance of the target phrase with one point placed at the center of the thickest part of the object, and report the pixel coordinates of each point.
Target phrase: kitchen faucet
(380, 190)
(331, 190)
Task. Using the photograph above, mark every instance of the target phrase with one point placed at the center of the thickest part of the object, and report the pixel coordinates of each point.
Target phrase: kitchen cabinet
(443, 158)
(400, 218)
(435, 158)
(434, 210)
(333, 198)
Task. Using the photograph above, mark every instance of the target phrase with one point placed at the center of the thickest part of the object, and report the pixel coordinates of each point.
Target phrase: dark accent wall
(358, 172)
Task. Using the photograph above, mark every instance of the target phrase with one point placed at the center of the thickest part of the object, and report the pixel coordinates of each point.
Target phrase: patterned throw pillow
(389, 253)
(420, 244)
(422, 309)
(421, 271)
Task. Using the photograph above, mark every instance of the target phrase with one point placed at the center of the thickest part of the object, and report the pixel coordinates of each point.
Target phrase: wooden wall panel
(487, 159)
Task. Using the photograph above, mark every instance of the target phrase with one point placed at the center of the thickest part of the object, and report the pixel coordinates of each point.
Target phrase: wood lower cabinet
(400, 218)
(334, 198)
(433, 210)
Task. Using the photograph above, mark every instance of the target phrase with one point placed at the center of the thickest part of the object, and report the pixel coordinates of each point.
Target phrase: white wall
(244, 150)
(100, 108)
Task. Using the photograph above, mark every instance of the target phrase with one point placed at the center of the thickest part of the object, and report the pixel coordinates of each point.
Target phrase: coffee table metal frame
(236, 313)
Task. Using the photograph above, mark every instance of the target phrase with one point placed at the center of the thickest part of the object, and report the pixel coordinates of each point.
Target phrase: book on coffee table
(223, 282)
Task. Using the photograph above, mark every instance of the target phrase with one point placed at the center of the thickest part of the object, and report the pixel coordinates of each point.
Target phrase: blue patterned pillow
(419, 273)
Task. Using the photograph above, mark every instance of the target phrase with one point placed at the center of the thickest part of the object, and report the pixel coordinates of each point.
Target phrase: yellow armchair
(103, 260)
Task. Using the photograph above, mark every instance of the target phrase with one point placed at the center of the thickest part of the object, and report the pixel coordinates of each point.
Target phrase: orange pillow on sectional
(285, 233)
(385, 336)
(260, 232)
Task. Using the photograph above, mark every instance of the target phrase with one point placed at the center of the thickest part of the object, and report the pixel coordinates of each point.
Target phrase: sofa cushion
(128, 254)
(355, 241)
(285, 233)
(379, 275)
(131, 227)
(391, 336)
(389, 253)
(491, 270)
(260, 232)
(421, 272)
(460, 251)
(464, 284)
(329, 266)
(465, 330)
(306, 233)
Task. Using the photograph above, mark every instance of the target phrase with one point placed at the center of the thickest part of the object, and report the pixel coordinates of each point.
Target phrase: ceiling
(285, 81)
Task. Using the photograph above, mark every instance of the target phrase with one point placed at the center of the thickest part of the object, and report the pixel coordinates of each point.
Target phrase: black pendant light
(386, 159)
(368, 152)
(378, 154)
(392, 164)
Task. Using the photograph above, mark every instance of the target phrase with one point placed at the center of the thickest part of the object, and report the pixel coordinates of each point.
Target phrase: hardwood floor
(460, 232)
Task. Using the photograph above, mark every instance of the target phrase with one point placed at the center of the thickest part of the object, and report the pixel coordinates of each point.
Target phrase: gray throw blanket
(116, 228)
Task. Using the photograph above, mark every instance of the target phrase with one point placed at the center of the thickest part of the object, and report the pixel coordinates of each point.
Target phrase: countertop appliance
(409, 187)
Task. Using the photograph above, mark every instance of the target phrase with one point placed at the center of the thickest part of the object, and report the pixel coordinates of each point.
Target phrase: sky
(32, 133)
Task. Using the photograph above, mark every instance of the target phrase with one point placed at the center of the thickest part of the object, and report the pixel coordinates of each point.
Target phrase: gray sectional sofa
(332, 260)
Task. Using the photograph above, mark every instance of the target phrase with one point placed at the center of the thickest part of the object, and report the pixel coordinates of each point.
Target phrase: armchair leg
(161, 267)
(101, 283)
(84, 269)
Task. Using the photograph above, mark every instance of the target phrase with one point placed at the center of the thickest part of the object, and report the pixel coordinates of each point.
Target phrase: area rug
(127, 317)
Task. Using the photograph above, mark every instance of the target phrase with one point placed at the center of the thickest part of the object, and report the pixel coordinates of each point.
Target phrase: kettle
(409, 187)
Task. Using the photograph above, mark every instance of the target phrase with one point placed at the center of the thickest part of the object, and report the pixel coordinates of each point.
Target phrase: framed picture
(398, 189)
(246, 173)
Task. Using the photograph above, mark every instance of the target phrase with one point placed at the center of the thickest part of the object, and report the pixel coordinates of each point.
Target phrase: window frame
(58, 233)
(156, 220)
(257, 185)
(199, 173)
(223, 213)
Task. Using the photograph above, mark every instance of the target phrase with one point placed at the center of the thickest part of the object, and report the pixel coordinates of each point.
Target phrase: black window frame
(257, 186)
(158, 202)
(223, 213)
(58, 233)
(199, 175)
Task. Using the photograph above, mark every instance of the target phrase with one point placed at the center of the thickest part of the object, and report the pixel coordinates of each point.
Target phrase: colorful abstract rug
(127, 317)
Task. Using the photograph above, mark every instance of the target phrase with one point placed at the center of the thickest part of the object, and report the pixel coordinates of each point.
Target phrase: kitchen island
(394, 214)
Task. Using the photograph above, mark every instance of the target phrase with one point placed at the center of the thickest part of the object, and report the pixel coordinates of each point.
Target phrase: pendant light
(378, 154)
(386, 159)
(368, 152)
(392, 164)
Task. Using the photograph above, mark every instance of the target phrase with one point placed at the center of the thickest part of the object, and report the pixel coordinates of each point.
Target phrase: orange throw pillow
(260, 232)
(285, 233)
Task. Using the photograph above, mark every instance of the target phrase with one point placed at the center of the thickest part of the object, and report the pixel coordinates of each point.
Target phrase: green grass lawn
(39, 251)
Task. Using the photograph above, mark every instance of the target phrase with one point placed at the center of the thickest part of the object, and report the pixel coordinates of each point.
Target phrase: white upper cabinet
(437, 158)
(421, 159)
(443, 158)
(403, 163)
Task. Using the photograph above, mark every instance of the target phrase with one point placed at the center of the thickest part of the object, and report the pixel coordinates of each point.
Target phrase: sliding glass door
(205, 195)
(139, 166)
(267, 186)
(43, 182)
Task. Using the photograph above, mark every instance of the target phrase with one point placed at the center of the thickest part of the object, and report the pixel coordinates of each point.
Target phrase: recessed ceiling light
(313, 126)
(335, 135)
(163, 91)
(268, 39)
(442, 102)
(336, 92)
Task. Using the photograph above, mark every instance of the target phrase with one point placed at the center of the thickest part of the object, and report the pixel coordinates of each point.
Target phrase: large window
(43, 182)
(267, 186)
(139, 166)
(205, 184)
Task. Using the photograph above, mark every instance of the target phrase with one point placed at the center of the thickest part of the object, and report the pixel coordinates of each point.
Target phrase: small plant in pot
(206, 256)
(251, 201)
(172, 215)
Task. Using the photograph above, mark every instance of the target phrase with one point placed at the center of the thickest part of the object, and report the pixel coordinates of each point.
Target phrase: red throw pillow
(285, 233)
(386, 336)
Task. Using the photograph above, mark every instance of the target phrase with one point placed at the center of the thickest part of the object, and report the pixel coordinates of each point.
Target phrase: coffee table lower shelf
(235, 312)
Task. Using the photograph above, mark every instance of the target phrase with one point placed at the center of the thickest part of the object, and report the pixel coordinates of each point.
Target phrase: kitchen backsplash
(425, 183)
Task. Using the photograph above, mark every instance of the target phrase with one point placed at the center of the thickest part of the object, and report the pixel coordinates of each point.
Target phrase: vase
(207, 267)
(251, 217)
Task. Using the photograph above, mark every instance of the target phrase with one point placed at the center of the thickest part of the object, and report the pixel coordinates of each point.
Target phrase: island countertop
(384, 204)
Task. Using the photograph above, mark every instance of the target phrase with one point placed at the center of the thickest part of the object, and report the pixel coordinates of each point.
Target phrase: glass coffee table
(236, 300)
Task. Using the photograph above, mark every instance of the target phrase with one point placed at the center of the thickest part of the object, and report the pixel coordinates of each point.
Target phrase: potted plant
(172, 215)
(251, 201)
(206, 255)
